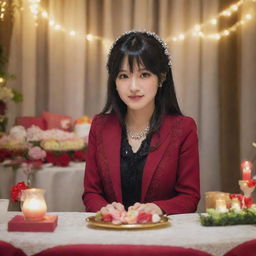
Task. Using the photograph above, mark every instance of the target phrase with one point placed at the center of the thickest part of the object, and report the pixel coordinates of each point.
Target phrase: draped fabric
(215, 80)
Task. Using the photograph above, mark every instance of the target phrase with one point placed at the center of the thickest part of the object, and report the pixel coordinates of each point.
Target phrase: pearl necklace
(138, 135)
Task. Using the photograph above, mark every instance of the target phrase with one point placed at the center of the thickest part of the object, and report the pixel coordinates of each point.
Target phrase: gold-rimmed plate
(164, 221)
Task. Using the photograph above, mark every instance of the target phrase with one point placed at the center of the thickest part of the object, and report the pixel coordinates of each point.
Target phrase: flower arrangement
(33, 147)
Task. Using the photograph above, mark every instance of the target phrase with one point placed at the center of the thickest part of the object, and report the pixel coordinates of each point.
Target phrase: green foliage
(17, 96)
(232, 217)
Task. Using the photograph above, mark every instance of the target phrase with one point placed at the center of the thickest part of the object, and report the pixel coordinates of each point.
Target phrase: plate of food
(128, 220)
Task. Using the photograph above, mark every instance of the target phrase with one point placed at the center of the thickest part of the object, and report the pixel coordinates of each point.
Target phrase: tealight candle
(246, 167)
(34, 206)
(221, 205)
(235, 204)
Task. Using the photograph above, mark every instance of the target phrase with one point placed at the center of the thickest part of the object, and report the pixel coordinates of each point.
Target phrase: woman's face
(137, 89)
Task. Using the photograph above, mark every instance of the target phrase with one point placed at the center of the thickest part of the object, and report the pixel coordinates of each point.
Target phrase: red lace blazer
(171, 172)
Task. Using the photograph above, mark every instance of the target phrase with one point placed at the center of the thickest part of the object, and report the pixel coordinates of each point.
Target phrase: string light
(2, 9)
(72, 33)
(198, 30)
(89, 37)
(214, 21)
(34, 7)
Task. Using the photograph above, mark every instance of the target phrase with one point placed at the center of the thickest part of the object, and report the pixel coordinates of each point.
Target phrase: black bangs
(139, 50)
(144, 52)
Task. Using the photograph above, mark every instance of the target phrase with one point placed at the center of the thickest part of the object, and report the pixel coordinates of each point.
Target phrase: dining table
(185, 230)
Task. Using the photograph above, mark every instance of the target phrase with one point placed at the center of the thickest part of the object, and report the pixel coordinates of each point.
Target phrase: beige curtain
(214, 79)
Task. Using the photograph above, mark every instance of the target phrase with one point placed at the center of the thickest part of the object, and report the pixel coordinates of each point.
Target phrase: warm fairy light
(234, 7)
(89, 37)
(51, 23)
(72, 33)
(1, 80)
(2, 9)
(197, 27)
(57, 27)
(201, 34)
(213, 21)
(248, 16)
(226, 32)
(45, 14)
(181, 37)
(214, 36)
(34, 7)
(227, 13)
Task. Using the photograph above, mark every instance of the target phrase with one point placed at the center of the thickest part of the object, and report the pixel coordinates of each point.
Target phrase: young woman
(142, 152)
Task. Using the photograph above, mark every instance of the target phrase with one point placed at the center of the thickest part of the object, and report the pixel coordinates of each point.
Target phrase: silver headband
(152, 34)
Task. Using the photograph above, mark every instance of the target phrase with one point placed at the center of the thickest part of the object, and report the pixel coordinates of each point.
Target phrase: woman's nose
(134, 84)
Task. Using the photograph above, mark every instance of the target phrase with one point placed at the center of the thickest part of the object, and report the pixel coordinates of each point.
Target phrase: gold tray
(164, 221)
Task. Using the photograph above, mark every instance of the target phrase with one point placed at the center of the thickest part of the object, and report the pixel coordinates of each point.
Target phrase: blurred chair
(245, 249)
(28, 121)
(120, 250)
(7, 249)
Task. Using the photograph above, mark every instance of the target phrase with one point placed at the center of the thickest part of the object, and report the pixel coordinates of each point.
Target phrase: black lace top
(132, 165)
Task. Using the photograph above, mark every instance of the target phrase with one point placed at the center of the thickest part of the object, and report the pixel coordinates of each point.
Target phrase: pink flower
(144, 217)
(37, 153)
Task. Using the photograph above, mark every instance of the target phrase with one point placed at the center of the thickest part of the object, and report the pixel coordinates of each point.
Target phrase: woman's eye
(145, 74)
(122, 76)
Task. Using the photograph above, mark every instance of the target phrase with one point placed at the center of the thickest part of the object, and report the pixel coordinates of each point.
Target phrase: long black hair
(145, 49)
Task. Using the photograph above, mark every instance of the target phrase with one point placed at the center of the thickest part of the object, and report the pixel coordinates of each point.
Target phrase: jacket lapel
(112, 142)
(161, 140)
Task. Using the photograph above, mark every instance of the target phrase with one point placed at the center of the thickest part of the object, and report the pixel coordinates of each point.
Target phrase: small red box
(19, 223)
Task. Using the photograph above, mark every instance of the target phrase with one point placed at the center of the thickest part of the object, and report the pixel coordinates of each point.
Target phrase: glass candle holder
(235, 204)
(244, 187)
(221, 205)
(212, 196)
(34, 205)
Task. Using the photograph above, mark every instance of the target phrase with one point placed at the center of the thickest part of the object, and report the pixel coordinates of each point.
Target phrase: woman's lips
(135, 97)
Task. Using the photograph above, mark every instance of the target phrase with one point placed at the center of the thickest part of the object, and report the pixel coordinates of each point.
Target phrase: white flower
(6, 94)
(155, 218)
(18, 132)
(34, 133)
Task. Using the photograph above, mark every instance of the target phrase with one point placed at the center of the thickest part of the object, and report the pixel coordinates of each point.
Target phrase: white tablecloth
(64, 185)
(185, 231)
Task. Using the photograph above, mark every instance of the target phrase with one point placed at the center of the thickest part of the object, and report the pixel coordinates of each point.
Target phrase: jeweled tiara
(153, 34)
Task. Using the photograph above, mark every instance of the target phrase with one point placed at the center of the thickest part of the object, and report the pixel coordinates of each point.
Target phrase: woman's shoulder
(103, 119)
(180, 120)
(180, 125)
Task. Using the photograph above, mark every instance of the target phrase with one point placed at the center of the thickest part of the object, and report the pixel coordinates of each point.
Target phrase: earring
(160, 85)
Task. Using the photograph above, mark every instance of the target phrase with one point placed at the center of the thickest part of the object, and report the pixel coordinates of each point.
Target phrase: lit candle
(246, 167)
(34, 206)
(221, 205)
(235, 204)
